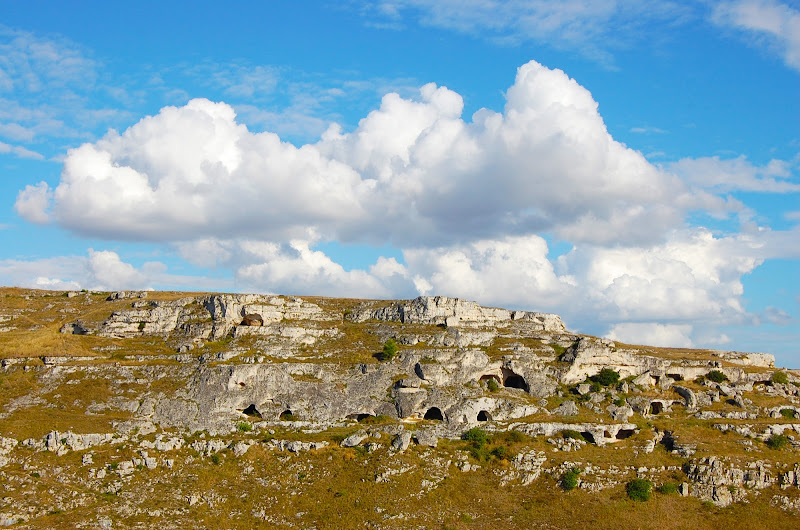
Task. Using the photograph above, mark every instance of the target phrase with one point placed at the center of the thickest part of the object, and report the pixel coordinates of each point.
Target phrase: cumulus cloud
(412, 172)
(106, 271)
(693, 277)
(101, 270)
(773, 23)
(465, 200)
(33, 202)
(295, 268)
(671, 335)
(511, 272)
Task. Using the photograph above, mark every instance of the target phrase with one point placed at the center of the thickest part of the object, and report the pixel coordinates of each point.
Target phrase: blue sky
(632, 166)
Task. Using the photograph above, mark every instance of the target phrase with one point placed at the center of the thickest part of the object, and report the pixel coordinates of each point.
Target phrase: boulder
(401, 441)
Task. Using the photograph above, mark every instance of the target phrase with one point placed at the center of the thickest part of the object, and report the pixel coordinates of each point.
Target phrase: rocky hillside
(135, 410)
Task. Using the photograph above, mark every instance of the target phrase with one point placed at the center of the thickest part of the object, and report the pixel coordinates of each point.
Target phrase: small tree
(476, 436)
(492, 385)
(389, 350)
(638, 489)
(606, 377)
(716, 376)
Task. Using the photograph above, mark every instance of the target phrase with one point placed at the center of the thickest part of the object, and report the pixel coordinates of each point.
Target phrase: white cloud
(717, 175)
(589, 27)
(773, 23)
(546, 164)
(512, 272)
(294, 268)
(652, 334)
(693, 277)
(19, 151)
(776, 315)
(106, 271)
(33, 202)
(99, 270)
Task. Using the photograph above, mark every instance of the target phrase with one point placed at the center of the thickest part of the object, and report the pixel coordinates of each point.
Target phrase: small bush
(215, 458)
(569, 480)
(789, 414)
(716, 376)
(389, 350)
(141, 326)
(243, 426)
(668, 488)
(476, 436)
(501, 452)
(639, 489)
(515, 437)
(777, 441)
(620, 402)
(606, 377)
(595, 387)
(780, 377)
(492, 385)
(575, 435)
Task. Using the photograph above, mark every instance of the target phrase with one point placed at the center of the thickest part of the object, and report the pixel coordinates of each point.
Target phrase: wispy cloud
(19, 151)
(769, 23)
(592, 28)
(648, 130)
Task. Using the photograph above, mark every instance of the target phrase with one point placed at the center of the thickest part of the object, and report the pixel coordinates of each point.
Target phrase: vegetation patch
(716, 376)
(606, 377)
(639, 489)
(569, 480)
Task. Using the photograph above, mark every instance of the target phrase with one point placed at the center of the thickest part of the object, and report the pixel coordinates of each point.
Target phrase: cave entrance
(624, 433)
(287, 415)
(589, 437)
(252, 411)
(434, 413)
(515, 381)
(484, 416)
(656, 407)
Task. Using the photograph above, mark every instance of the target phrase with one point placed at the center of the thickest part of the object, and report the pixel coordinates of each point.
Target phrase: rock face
(223, 379)
(440, 310)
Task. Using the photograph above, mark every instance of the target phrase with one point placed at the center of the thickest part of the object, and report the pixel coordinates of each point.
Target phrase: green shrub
(606, 377)
(638, 489)
(243, 426)
(216, 458)
(780, 378)
(501, 452)
(389, 350)
(515, 437)
(569, 480)
(492, 385)
(668, 488)
(141, 326)
(777, 441)
(575, 435)
(620, 402)
(716, 376)
(789, 414)
(476, 436)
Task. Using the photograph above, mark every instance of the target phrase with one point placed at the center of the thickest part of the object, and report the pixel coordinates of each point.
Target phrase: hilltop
(141, 409)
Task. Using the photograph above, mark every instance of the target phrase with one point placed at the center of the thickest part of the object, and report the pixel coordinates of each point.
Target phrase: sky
(630, 165)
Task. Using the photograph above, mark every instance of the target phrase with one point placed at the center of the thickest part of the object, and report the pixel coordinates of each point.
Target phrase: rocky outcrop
(444, 311)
